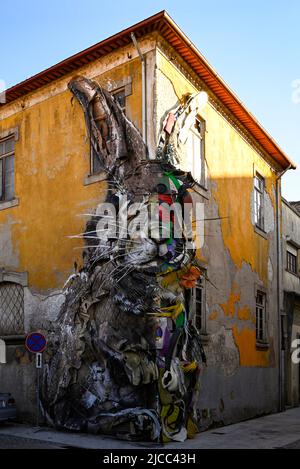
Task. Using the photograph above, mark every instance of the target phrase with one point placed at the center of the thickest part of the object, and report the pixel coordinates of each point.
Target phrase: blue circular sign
(36, 342)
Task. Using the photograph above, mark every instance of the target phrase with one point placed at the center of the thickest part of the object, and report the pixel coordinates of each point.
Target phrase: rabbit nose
(162, 250)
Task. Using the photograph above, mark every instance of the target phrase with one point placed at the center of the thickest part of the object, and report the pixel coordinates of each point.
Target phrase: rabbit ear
(115, 140)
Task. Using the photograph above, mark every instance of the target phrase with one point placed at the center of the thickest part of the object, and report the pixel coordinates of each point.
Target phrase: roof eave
(171, 32)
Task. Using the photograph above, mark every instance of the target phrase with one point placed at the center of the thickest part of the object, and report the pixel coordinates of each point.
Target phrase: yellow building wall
(52, 159)
(231, 163)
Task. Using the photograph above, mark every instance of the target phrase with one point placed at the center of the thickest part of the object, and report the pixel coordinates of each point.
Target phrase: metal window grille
(7, 170)
(259, 185)
(260, 317)
(291, 262)
(11, 309)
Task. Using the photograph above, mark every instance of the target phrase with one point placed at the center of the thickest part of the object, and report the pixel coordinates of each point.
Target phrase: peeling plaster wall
(52, 165)
(8, 255)
(240, 381)
(18, 374)
(52, 157)
(52, 162)
(41, 310)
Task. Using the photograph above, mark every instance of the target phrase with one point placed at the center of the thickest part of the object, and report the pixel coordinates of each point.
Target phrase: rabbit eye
(161, 188)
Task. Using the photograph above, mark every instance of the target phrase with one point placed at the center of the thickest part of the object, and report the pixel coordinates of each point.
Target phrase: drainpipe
(279, 290)
(144, 107)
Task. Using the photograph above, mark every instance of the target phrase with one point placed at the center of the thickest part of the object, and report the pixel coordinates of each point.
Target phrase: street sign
(36, 342)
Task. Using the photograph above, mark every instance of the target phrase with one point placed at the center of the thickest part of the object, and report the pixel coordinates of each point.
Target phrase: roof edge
(166, 26)
(288, 204)
(223, 83)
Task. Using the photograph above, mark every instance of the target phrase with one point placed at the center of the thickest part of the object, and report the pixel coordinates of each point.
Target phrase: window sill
(292, 273)
(292, 242)
(262, 346)
(260, 232)
(9, 204)
(93, 178)
(14, 339)
(201, 190)
(205, 337)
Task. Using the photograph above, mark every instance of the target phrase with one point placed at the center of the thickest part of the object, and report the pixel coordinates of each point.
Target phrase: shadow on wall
(124, 357)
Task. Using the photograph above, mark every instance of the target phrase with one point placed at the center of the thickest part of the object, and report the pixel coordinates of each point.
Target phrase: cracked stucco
(9, 255)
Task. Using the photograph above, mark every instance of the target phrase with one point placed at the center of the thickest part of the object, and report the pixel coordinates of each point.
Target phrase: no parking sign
(35, 342)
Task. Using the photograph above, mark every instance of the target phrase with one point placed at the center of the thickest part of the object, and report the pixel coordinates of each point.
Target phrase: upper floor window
(196, 151)
(199, 304)
(11, 309)
(291, 261)
(261, 333)
(259, 187)
(100, 121)
(7, 171)
(120, 97)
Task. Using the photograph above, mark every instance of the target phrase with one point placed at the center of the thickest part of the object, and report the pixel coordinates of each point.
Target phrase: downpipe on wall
(281, 351)
(144, 90)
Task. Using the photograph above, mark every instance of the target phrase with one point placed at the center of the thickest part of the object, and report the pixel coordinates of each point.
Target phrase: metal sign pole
(37, 397)
(38, 364)
(36, 343)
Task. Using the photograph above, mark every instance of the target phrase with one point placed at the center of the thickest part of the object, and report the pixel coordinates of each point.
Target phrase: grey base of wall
(249, 393)
(224, 400)
(18, 376)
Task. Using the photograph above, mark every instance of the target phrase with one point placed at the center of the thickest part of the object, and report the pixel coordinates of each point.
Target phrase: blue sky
(254, 46)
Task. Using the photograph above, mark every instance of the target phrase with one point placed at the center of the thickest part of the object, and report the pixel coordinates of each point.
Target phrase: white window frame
(3, 161)
(196, 141)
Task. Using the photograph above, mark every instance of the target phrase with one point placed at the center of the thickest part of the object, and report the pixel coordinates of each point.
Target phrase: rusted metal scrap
(124, 358)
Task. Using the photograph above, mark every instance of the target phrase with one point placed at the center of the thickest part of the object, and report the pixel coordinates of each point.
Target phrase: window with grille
(7, 171)
(291, 262)
(259, 186)
(100, 121)
(261, 335)
(11, 309)
(199, 304)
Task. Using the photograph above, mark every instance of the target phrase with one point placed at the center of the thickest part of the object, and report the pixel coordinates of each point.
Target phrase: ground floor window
(261, 317)
(292, 262)
(198, 298)
(11, 309)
